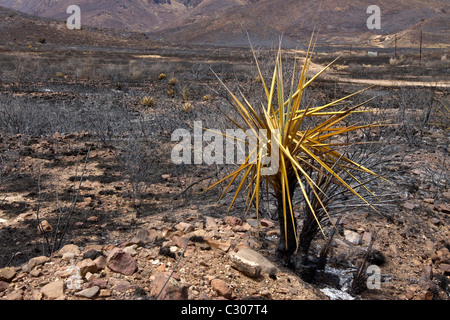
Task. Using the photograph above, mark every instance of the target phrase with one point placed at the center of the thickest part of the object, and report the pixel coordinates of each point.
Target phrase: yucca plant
(147, 101)
(309, 155)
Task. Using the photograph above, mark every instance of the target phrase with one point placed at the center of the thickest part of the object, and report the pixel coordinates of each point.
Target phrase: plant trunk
(288, 225)
(307, 234)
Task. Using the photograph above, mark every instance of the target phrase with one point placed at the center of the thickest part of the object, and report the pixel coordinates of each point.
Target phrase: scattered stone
(233, 221)
(428, 200)
(92, 219)
(101, 283)
(7, 274)
(180, 242)
(173, 290)
(36, 272)
(445, 268)
(367, 237)
(215, 244)
(409, 205)
(222, 288)
(53, 290)
(104, 293)
(72, 248)
(251, 257)
(37, 261)
(131, 250)
(352, 237)
(122, 262)
(3, 286)
(92, 254)
(122, 285)
(85, 266)
(68, 256)
(184, 227)
(248, 267)
(88, 293)
(210, 223)
(15, 295)
(267, 223)
(100, 262)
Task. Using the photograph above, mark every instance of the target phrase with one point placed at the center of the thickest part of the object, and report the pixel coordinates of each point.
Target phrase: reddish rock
(172, 290)
(233, 221)
(122, 262)
(3, 286)
(446, 268)
(222, 288)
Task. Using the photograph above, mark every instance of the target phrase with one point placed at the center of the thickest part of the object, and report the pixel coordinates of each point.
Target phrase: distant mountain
(226, 21)
(18, 30)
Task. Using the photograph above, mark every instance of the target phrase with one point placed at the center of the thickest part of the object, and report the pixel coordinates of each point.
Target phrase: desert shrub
(207, 97)
(173, 81)
(315, 163)
(171, 93)
(187, 106)
(147, 101)
(161, 76)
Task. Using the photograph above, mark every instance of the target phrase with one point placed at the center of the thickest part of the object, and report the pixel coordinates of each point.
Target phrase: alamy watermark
(234, 146)
(374, 277)
(74, 21)
(374, 21)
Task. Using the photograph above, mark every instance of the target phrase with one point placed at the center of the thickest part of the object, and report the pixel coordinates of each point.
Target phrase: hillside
(217, 21)
(20, 30)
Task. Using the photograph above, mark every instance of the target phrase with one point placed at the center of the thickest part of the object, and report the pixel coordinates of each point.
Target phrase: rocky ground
(112, 253)
(120, 248)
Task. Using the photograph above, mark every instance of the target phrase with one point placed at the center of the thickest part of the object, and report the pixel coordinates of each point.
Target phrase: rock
(53, 290)
(145, 236)
(122, 262)
(409, 205)
(172, 290)
(233, 221)
(72, 248)
(92, 219)
(184, 227)
(104, 293)
(15, 295)
(222, 288)
(445, 268)
(248, 267)
(180, 242)
(37, 261)
(252, 263)
(215, 244)
(3, 286)
(367, 237)
(92, 254)
(131, 250)
(36, 272)
(352, 237)
(85, 266)
(68, 256)
(101, 283)
(44, 227)
(7, 274)
(210, 223)
(267, 223)
(88, 293)
(100, 262)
